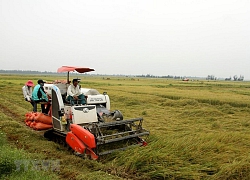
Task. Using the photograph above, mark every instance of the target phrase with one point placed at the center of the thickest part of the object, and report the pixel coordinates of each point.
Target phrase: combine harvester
(92, 129)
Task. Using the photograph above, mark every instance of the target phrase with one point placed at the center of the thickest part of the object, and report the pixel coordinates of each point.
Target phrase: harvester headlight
(85, 110)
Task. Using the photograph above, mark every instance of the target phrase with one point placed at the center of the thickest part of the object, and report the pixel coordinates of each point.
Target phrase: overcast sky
(132, 37)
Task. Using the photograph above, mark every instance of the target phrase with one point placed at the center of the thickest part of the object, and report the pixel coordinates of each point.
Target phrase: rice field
(198, 130)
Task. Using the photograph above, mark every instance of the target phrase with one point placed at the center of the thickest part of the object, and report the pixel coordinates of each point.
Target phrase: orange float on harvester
(38, 121)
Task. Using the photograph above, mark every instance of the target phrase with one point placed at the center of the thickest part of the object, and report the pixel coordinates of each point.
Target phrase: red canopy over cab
(73, 68)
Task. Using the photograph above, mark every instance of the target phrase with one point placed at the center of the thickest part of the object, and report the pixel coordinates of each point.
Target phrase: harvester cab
(91, 129)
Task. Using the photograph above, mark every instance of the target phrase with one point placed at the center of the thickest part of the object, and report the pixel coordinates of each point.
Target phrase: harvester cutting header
(92, 128)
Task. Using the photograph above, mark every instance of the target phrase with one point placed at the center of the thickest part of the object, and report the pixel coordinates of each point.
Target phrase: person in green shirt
(40, 96)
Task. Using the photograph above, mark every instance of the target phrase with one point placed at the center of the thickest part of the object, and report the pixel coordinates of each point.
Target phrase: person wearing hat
(74, 93)
(27, 92)
(40, 96)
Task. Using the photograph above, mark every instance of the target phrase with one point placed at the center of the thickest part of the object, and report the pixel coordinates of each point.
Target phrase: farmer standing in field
(40, 96)
(27, 92)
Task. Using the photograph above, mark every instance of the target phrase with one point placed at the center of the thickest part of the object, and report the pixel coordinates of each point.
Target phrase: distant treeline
(168, 76)
(25, 72)
(55, 73)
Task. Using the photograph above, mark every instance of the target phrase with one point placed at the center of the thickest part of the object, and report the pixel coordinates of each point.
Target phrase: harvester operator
(40, 96)
(74, 93)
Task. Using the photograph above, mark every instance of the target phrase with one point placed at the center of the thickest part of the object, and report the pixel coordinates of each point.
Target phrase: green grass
(198, 130)
(13, 160)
